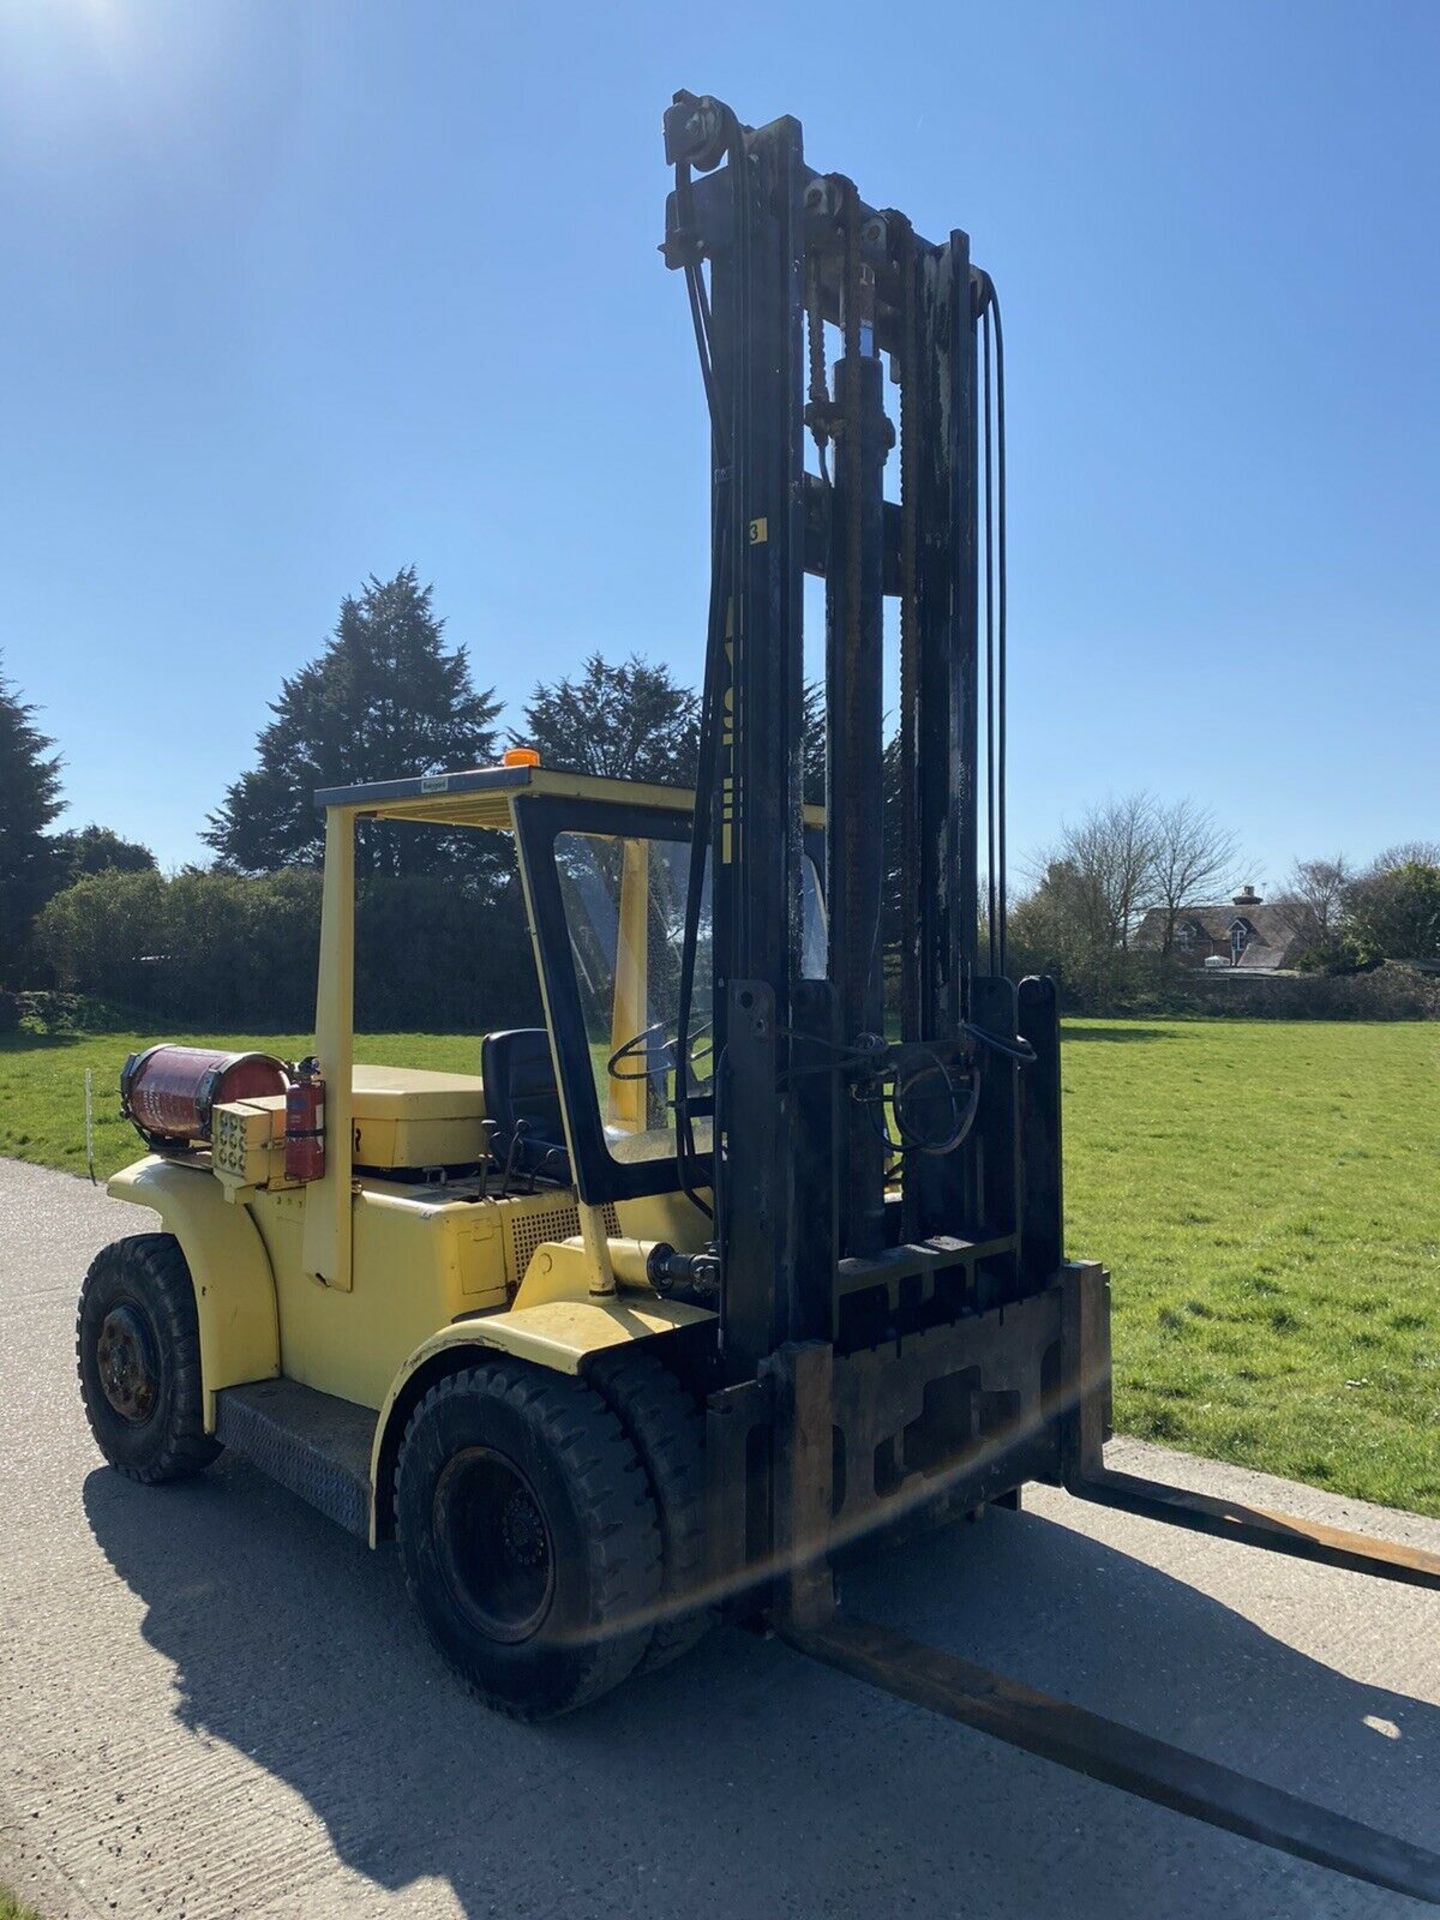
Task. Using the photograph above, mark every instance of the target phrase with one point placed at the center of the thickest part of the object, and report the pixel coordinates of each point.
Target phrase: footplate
(312, 1443)
(1119, 1755)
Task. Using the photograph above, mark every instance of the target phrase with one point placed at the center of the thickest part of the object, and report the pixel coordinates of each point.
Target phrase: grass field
(1267, 1197)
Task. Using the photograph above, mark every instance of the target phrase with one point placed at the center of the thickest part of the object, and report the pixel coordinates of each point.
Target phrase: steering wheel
(654, 1052)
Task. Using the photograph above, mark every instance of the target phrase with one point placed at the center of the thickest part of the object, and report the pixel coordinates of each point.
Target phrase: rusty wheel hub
(128, 1361)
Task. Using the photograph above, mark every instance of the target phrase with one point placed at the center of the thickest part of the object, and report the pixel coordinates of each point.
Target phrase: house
(1243, 933)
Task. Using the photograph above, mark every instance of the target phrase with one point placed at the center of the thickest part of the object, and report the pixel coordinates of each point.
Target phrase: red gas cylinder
(170, 1092)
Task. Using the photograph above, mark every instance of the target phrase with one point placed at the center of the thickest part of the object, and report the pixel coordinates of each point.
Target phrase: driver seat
(522, 1098)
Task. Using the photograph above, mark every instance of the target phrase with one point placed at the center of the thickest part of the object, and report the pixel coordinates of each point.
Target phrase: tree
(29, 801)
(1392, 912)
(1409, 853)
(108, 934)
(625, 722)
(386, 700)
(1063, 926)
(1095, 883)
(1101, 870)
(95, 849)
(1314, 906)
(1192, 858)
(813, 746)
(1119, 861)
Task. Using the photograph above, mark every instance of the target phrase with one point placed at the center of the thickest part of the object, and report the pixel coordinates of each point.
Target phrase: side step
(311, 1443)
(1105, 1750)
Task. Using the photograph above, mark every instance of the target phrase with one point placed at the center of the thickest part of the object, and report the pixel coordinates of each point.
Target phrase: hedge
(233, 950)
(441, 955)
(1147, 984)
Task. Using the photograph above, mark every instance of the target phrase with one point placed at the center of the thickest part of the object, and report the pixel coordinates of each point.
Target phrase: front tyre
(529, 1537)
(668, 1431)
(137, 1351)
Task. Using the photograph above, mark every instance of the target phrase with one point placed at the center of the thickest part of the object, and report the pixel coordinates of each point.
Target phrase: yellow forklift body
(559, 1334)
(400, 1116)
(355, 1283)
(404, 1117)
(235, 1297)
(428, 1273)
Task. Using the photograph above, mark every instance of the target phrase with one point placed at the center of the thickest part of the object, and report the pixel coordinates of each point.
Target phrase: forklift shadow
(746, 1781)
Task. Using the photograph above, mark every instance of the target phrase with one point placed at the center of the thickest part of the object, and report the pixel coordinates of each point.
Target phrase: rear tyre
(137, 1351)
(669, 1435)
(529, 1538)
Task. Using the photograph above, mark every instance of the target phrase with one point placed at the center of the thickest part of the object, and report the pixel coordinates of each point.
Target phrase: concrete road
(213, 1703)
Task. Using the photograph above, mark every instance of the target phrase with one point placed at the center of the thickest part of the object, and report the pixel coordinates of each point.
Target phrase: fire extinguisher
(305, 1123)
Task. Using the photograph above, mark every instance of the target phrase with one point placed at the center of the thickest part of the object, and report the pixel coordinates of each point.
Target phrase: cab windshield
(624, 906)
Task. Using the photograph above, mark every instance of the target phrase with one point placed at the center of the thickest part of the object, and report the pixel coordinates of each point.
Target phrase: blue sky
(291, 293)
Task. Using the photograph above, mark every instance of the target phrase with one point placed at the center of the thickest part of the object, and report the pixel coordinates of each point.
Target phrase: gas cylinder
(170, 1092)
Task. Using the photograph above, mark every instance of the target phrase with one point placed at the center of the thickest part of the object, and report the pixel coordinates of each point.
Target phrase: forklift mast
(900, 1331)
(834, 1143)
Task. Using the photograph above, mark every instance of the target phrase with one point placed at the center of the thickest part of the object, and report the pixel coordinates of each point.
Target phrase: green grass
(11, 1909)
(1266, 1196)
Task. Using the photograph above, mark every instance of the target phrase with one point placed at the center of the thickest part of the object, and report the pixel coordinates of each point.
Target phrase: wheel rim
(494, 1544)
(127, 1358)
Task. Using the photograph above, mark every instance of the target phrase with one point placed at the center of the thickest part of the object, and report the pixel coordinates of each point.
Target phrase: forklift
(754, 1250)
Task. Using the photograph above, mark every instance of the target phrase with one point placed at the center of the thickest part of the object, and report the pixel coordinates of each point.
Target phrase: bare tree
(1193, 857)
(1090, 890)
(1314, 902)
(1113, 848)
(1409, 853)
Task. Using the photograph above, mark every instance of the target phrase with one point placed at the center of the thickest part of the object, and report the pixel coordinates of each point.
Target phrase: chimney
(1247, 896)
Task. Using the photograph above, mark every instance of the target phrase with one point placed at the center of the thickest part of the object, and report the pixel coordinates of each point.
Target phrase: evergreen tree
(626, 722)
(813, 747)
(96, 849)
(29, 801)
(386, 700)
(1392, 912)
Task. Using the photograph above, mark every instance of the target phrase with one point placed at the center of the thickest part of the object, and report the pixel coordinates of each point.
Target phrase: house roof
(1273, 935)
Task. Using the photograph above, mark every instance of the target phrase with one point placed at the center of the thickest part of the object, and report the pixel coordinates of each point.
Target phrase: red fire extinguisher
(305, 1123)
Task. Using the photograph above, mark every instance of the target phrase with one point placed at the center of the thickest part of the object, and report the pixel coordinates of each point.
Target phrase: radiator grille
(528, 1223)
